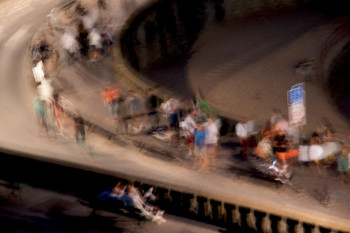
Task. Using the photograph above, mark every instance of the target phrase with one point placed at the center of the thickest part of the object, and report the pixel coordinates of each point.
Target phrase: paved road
(19, 133)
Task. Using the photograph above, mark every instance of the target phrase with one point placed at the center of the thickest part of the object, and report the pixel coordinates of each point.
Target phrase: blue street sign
(299, 86)
(296, 94)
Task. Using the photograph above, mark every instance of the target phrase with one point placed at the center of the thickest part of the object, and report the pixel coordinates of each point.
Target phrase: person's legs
(244, 147)
(211, 153)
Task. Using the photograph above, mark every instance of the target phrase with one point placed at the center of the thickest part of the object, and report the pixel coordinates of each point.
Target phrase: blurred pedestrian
(39, 110)
(343, 162)
(110, 98)
(70, 44)
(211, 140)
(152, 108)
(170, 109)
(243, 136)
(50, 120)
(95, 45)
(58, 111)
(107, 39)
(135, 109)
(122, 115)
(79, 130)
(201, 159)
(187, 128)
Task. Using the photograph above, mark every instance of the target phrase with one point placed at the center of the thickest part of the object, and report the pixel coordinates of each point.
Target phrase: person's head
(199, 126)
(315, 138)
(243, 120)
(130, 185)
(267, 133)
(131, 93)
(117, 185)
(121, 100)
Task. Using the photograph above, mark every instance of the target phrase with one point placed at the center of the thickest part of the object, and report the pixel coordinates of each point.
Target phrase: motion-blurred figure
(79, 130)
(70, 44)
(39, 111)
(243, 136)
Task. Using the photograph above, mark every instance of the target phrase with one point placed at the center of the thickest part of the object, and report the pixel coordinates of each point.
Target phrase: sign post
(296, 105)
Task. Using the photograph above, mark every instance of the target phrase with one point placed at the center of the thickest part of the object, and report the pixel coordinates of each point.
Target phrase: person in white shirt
(243, 136)
(187, 127)
(211, 139)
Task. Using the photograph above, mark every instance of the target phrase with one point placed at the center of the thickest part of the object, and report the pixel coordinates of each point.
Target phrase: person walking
(39, 109)
(243, 136)
(199, 151)
(211, 140)
(79, 130)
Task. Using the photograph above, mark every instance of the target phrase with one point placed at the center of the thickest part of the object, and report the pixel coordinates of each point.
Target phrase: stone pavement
(245, 67)
(80, 86)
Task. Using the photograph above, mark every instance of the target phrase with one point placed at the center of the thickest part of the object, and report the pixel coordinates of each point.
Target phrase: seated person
(113, 194)
(264, 148)
(133, 198)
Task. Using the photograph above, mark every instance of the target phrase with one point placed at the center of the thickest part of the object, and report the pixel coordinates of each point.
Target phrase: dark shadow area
(171, 76)
(339, 81)
(59, 223)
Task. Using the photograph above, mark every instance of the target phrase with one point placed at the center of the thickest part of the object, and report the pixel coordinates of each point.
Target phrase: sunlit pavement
(19, 132)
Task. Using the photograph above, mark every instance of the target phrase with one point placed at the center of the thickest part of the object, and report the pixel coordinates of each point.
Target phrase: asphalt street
(19, 133)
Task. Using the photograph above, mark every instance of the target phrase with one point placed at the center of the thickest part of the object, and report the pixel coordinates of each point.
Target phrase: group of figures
(129, 198)
(190, 125)
(87, 36)
(50, 117)
(277, 146)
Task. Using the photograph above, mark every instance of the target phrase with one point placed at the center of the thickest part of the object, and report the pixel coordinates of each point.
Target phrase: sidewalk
(80, 86)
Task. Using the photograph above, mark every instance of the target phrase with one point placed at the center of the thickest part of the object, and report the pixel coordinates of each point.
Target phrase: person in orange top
(110, 97)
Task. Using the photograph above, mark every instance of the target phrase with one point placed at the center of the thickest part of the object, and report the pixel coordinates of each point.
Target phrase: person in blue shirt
(200, 149)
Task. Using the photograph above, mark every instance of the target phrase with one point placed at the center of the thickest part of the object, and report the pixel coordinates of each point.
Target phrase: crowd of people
(284, 144)
(87, 37)
(191, 124)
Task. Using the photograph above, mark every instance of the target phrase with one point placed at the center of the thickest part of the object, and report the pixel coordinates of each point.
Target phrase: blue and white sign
(296, 105)
(296, 94)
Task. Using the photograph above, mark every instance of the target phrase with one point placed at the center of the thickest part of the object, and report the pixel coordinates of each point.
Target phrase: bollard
(229, 214)
(175, 202)
(299, 228)
(237, 216)
(201, 207)
(251, 220)
(187, 204)
(258, 220)
(282, 226)
(324, 230)
(292, 225)
(215, 211)
(274, 222)
(162, 196)
(194, 206)
(266, 224)
(308, 228)
(218, 212)
(316, 229)
(208, 210)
